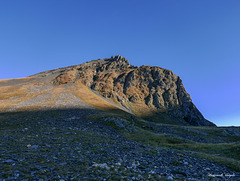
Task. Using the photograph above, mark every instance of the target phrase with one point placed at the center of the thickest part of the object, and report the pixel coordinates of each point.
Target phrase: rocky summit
(150, 92)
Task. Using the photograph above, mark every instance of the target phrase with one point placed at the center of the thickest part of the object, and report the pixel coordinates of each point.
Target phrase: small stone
(135, 164)
(8, 161)
(34, 146)
(170, 177)
(185, 163)
(104, 165)
(118, 164)
(151, 172)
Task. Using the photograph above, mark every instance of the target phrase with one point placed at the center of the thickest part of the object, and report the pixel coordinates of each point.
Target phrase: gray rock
(160, 89)
(103, 165)
(8, 161)
(170, 177)
(34, 146)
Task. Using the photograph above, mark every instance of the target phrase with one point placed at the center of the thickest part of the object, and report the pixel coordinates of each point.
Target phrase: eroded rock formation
(152, 88)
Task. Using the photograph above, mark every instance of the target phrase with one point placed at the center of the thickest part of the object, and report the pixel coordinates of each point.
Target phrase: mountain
(108, 120)
(152, 93)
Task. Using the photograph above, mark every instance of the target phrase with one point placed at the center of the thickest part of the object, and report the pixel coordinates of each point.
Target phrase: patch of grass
(230, 150)
(152, 114)
(10, 91)
(85, 94)
(100, 118)
(112, 113)
(151, 152)
(229, 162)
(153, 139)
(223, 153)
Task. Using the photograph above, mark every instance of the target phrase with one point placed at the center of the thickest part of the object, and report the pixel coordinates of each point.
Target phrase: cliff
(150, 92)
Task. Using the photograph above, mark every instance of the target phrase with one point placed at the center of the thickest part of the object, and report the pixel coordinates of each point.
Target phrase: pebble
(8, 161)
(34, 146)
(170, 177)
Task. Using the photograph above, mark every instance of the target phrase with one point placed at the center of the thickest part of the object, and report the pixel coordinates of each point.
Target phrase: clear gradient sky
(197, 40)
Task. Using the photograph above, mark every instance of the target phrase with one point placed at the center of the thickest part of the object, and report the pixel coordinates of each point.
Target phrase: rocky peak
(120, 59)
(138, 89)
(117, 62)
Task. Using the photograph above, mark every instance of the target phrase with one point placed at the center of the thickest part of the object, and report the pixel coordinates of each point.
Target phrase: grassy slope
(223, 153)
(85, 94)
(12, 95)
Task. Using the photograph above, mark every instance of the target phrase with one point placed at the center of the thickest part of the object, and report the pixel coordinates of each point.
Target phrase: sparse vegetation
(222, 153)
(90, 98)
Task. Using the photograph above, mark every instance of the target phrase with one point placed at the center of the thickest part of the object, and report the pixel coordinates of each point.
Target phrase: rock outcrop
(146, 89)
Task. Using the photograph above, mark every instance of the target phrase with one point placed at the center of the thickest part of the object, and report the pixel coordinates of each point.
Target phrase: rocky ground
(65, 145)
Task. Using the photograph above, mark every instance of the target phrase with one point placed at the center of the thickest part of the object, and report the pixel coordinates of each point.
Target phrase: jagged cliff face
(145, 90)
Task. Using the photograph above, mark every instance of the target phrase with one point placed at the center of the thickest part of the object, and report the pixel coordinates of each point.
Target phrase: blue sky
(197, 40)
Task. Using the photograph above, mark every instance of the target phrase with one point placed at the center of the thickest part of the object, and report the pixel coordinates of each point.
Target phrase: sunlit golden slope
(37, 93)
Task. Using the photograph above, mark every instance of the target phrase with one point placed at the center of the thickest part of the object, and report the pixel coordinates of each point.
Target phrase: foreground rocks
(64, 145)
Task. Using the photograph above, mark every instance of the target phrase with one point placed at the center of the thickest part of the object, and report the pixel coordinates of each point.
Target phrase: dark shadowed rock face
(157, 88)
